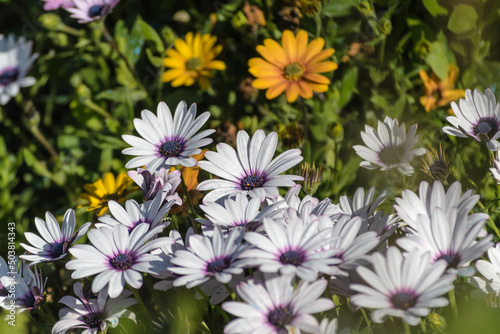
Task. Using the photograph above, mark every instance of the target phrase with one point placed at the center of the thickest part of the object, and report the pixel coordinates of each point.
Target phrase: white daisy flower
(89, 10)
(162, 180)
(291, 249)
(27, 288)
(478, 117)
(409, 206)
(450, 237)
(150, 212)
(239, 211)
(15, 61)
(489, 283)
(93, 315)
(275, 307)
(389, 147)
(167, 142)
(117, 257)
(55, 243)
(328, 327)
(251, 169)
(404, 287)
(208, 257)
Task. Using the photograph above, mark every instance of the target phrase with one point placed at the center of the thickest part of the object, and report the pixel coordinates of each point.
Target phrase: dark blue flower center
(95, 11)
(251, 182)
(292, 257)
(172, 148)
(29, 300)
(57, 250)
(390, 155)
(280, 317)
(92, 320)
(9, 76)
(122, 261)
(486, 129)
(218, 265)
(452, 259)
(403, 300)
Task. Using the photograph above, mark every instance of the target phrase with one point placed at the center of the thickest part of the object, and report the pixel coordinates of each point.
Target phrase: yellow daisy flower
(292, 66)
(106, 189)
(193, 59)
(439, 92)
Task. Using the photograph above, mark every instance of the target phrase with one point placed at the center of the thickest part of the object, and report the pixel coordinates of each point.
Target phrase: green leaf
(151, 35)
(348, 86)
(434, 7)
(437, 60)
(135, 43)
(338, 8)
(463, 19)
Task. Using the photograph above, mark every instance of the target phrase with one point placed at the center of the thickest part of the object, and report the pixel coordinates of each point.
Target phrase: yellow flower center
(294, 72)
(194, 64)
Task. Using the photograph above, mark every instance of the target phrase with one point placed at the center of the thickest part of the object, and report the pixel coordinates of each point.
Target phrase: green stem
(143, 308)
(41, 138)
(406, 327)
(98, 109)
(365, 316)
(491, 223)
(217, 307)
(422, 326)
(453, 303)
(306, 122)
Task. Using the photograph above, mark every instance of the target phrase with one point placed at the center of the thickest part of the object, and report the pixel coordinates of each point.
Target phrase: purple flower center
(403, 300)
(29, 301)
(390, 155)
(9, 76)
(251, 182)
(172, 148)
(292, 257)
(122, 261)
(95, 11)
(486, 128)
(218, 265)
(57, 250)
(452, 259)
(280, 317)
(92, 320)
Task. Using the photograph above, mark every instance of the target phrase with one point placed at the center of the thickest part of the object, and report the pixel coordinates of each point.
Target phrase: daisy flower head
(410, 205)
(489, 283)
(117, 257)
(162, 180)
(15, 61)
(93, 315)
(165, 141)
(193, 59)
(90, 10)
(451, 237)
(55, 241)
(251, 170)
(292, 67)
(150, 212)
(55, 4)
(402, 286)
(25, 288)
(208, 257)
(239, 211)
(275, 307)
(389, 147)
(291, 249)
(476, 116)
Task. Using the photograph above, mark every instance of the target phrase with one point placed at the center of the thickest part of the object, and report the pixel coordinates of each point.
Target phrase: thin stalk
(453, 303)
(98, 109)
(144, 310)
(406, 327)
(306, 122)
(422, 326)
(217, 307)
(491, 223)
(41, 138)
(365, 316)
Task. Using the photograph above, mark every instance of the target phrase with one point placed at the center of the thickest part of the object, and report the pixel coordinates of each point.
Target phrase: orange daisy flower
(292, 67)
(439, 92)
